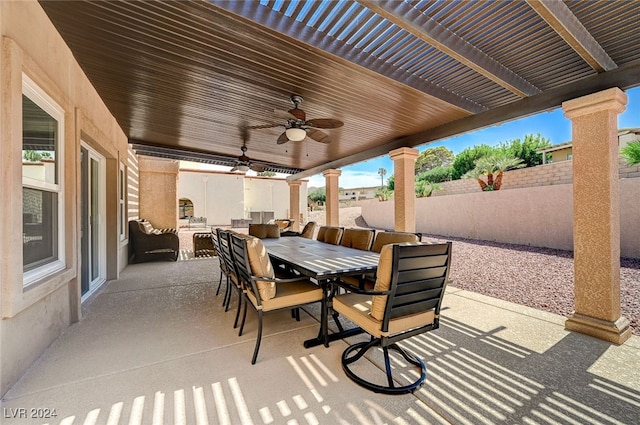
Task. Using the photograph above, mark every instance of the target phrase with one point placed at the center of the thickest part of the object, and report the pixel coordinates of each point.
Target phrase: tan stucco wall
(33, 318)
(158, 186)
(537, 216)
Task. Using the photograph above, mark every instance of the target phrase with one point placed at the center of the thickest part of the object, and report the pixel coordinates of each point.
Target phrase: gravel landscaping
(541, 278)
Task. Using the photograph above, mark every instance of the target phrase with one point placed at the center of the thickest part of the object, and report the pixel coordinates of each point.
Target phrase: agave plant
(492, 167)
(631, 152)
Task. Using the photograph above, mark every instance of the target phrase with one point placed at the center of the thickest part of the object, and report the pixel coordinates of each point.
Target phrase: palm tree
(503, 164)
(631, 152)
(382, 172)
(490, 165)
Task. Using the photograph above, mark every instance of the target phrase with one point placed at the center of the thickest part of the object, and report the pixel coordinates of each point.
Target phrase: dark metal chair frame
(223, 266)
(227, 256)
(243, 268)
(418, 281)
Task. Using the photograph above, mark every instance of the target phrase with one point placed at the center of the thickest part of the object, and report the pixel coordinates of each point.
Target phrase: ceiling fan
(244, 163)
(297, 128)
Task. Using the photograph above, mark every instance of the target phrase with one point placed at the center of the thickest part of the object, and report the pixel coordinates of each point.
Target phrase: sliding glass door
(93, 238)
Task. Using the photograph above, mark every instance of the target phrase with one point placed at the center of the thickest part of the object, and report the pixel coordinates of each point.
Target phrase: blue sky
(552, 125)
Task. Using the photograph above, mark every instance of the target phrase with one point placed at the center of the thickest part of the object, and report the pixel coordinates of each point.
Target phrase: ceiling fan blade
(234, 169)
(257, 168)
(284, 114)
(325, 123)
(318, 136)
(283, 138)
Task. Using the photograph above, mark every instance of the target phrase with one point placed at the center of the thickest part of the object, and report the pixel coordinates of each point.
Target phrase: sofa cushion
(147, 227)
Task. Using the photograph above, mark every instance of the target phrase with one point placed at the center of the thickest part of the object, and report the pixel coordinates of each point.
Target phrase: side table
(203, 245)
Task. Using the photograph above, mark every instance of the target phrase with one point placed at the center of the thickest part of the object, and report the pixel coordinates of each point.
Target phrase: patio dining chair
(223, 267)
(231, 273)
(405, 302)
(264, 230)
(381, 239)
(264, 291)
(330, 234)
(358, 238)
(384, 238)
(307, 232)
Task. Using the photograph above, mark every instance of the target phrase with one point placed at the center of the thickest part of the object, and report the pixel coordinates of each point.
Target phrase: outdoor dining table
(324, 263)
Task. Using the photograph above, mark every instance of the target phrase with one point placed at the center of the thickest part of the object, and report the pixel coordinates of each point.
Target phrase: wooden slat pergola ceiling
(182, 78)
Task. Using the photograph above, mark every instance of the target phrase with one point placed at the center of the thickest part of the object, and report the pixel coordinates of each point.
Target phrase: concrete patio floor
(156, 347)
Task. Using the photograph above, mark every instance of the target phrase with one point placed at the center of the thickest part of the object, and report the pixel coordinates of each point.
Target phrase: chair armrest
(357, 290)
(278, 279)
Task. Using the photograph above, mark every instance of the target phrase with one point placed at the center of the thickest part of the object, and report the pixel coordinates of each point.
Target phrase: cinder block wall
(541, 175)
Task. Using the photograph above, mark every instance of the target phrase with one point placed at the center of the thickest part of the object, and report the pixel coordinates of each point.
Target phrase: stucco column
(596, 215)
(294, 203)
(404, 194)
(332, 208)
(158, 191)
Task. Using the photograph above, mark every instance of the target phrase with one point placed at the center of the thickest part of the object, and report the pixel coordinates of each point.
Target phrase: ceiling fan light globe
(243, 168)
(296, 134)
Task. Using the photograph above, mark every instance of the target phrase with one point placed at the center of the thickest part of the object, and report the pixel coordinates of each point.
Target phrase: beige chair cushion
(357, 238)
(261, 266)
(321, 232)
(357, 308)
(264, 230)
(290, 294)
(383, 281)
(332, 235)
(308, 230)
(385, 238)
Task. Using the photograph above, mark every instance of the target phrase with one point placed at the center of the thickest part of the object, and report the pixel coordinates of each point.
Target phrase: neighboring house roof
(557, 147)
(565, 145)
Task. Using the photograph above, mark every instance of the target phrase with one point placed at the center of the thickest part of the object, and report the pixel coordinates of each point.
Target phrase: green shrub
(465, 160)
(527, 150)
(318, 195)
(631, 152)
(436, 175)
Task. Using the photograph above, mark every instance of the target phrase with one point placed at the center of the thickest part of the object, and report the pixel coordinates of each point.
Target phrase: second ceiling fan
(297, 128)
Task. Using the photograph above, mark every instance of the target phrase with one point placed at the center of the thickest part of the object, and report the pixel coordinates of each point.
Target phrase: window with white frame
(42, 194)
(122, 184)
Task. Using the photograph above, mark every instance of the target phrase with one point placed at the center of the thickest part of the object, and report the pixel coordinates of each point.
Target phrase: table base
(320, 340)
